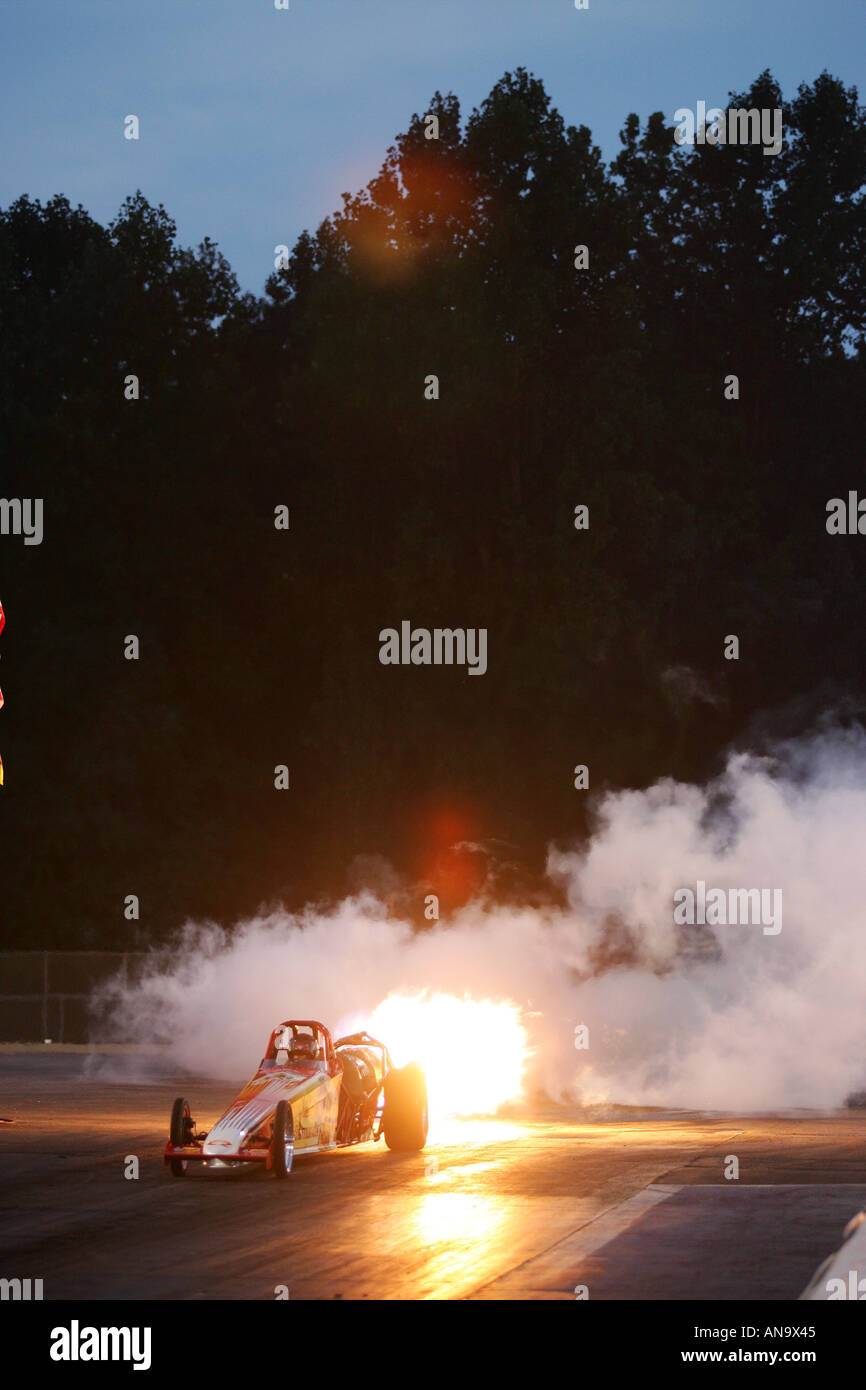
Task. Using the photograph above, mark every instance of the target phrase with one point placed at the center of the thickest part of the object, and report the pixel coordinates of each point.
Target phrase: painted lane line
(562, 1259)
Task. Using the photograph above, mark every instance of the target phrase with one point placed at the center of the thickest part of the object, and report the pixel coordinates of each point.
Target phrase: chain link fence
(46, 994)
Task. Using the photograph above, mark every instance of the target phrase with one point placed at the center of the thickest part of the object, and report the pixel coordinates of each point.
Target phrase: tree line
(606, 387)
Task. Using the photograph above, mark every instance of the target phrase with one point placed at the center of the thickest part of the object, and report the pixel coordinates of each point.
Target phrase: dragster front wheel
(179, 1132)
(283, 1142)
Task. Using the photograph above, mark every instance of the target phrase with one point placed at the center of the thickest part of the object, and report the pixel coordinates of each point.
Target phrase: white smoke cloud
(714, 1017)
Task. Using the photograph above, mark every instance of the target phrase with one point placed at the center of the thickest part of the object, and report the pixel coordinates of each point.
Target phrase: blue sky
(254, 121)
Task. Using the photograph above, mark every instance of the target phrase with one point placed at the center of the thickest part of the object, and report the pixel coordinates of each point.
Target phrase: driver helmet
(304, 1048)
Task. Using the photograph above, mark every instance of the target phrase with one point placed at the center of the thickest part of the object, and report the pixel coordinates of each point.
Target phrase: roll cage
(325, 1050)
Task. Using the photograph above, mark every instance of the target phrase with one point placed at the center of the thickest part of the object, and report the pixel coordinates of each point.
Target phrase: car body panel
(314, 1097)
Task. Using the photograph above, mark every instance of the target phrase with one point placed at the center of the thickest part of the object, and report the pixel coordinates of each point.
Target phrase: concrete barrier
(46, 994)
(843, 1275)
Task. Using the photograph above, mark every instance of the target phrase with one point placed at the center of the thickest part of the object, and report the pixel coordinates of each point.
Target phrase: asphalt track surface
(630, 1204)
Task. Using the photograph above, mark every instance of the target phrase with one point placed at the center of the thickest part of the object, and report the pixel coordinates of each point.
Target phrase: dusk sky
(254, 121)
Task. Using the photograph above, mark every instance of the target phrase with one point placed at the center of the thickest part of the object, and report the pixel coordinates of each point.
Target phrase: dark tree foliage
(558, 387)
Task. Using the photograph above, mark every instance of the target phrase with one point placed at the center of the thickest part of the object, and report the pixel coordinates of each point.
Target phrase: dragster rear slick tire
(405, 1120)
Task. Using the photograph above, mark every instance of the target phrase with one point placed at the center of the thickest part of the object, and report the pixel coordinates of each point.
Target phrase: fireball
(473, 1051)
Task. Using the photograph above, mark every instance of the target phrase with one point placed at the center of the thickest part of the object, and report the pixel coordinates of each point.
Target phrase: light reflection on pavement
(634, 1204)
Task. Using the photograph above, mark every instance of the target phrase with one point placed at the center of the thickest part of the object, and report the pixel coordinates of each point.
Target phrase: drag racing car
(309, 1095)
